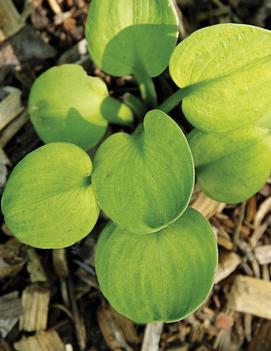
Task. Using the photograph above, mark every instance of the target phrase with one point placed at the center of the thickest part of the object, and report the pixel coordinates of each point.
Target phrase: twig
(11, 106)
(55, 6)
(10, 20)
(239, 223)
(79, 324)
(9, 132)
(152, 337)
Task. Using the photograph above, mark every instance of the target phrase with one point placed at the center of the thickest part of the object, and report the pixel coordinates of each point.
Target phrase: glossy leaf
(162, 276)
(48, 201)
(144, 181)
(232, 166)
(226, 70)
(65, 104)
(139, 39)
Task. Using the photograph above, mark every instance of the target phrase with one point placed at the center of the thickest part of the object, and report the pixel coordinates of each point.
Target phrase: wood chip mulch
(50, 299)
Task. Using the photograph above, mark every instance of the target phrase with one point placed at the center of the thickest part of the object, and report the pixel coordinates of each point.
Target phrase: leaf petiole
(147, 88)
(173, 100)
(135, 104)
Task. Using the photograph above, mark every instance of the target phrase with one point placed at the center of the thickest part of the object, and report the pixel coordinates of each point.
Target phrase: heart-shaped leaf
(162, 276)
(140, 37)
(65, 104)
(144, 181)
(226, 70)
(48, 201)
(232, 166)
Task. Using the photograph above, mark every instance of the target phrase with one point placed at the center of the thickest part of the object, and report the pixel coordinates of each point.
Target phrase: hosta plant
(156, 259)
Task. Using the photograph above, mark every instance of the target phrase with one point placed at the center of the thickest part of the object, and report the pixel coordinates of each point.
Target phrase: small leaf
(65, 104)
(48, 201)
(140, 37)
(232, 166)
(144, 181)
(162, 276)
(226, 70)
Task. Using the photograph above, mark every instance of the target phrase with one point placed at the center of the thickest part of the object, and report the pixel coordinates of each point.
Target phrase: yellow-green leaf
(162, 276)
(227, 68)
(144, 181)
(48, 201)
(232, 166)
(139, 37)
(66, 104)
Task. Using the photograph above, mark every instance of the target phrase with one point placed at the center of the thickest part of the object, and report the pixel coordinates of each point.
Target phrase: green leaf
(48, 201)
(162, 276)
(232, 166)
(140, 37)
(144, 181)
(65, 104)
(226, 70)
